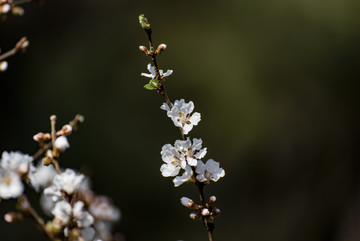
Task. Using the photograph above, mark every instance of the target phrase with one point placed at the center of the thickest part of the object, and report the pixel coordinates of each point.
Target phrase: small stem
(16, 49)
(27, 209)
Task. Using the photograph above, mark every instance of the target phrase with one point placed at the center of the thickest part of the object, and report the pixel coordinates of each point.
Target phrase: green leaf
(149, 87)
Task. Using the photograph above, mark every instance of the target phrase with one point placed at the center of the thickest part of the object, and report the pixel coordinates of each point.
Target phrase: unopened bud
(195, 216)
(46, 161)
(160, 48)
(13, 216)
(61, 143)
(18, 11)
(5, 8)
(41, 137)
(65, 130)
(144, 49)
(144, 23)
(211, 201)
(187, 202)
(215, 212)
(3, 66)
(22, 44)
(205, 212)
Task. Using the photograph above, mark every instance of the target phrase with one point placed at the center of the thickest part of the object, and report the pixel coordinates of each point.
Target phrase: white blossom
(10, 184)
(173, 161)
(180, 114)
(16, 162)
(64, 213)
(152, 74)
(190, 152)
(210, 171)
(61, 143)
(102, 209)
(67, 182)
(184, 177)
(83, 219)
(41, 176)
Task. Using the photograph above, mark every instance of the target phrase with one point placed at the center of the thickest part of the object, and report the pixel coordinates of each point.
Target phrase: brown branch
(20, 45)
(27, 209)
(161, 90)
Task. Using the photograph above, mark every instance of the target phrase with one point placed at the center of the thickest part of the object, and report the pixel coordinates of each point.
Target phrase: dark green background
(276, 83)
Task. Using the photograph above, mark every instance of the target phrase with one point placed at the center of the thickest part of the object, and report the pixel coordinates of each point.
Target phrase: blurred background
(276, 83)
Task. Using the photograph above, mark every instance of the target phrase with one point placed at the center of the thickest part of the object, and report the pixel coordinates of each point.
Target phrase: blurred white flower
(210, 171)
(64, 213)
(3, 66)
(41, 176)
(10, 184)
(16, 162)
(102, 209)
(61, 143)
(152, 74)
(67, 182)
(180, 114)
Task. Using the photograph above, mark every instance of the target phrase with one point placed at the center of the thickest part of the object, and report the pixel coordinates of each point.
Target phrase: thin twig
(16, 49)
(27, 209)
(161, 90)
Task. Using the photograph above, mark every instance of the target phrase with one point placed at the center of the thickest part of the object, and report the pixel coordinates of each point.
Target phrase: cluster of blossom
(65, 195)
(185, 155)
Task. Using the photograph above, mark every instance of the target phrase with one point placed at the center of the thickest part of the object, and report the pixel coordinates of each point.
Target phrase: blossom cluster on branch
(76, 212)
(183, 160)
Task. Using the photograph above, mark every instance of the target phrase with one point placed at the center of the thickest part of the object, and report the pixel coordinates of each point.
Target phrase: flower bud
(61, 143)
(144, 23)
(187, 202)
(195, 216)
(144, 49)
(211, 201)
(22, 44)
(46, 161)
(5, 8)
(17, 11)
(205, 212)
(215, 212)
(13, 216)
(160, 48)
(3, 66)
(65, 130)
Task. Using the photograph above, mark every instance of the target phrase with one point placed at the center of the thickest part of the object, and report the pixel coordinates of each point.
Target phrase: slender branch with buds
(184, 155)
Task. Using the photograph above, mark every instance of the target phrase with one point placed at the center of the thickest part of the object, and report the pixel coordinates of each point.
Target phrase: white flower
(41, 176)
(173, 161)
(67, 182)
(16, 162)
(184, 177)
(180, 114)
(61, 143)
(190, 152)
(210, 171)
(83, 219)
(10, 184)
(152, 74)
(102, 208)
(64, 213)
